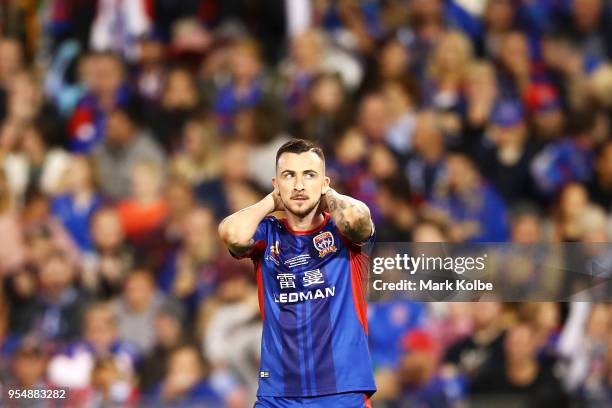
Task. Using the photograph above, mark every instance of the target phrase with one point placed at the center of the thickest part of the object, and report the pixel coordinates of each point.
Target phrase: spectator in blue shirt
(106, 91)
(185, 383)
(388, 322)
(245, 87)
(474, 209)
(77, 205)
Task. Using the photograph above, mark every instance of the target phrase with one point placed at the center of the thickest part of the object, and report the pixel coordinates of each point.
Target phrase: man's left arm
(352, 217)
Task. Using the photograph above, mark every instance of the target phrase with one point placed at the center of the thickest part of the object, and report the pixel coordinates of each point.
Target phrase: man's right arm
(238, 229)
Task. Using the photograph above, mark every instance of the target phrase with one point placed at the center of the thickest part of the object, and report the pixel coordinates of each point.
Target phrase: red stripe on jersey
(260, 287)
(358, 261)
(368, 402)
(359, 274)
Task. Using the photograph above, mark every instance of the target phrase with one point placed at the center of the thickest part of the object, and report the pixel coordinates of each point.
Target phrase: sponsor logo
(324, 243)
(309, 278)
(295, 297)
(264, 374)
(313, 277)
(286, 280)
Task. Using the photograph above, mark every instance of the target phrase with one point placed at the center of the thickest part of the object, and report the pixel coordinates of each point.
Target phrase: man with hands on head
(311, 269)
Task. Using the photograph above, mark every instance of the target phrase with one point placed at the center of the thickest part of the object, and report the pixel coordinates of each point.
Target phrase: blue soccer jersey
(312, 287)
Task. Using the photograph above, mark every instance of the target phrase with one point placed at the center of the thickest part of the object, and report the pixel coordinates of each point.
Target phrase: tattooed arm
(351, 216)
(238, 229)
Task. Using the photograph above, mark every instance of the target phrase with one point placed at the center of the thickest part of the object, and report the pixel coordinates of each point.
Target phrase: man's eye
(309, 175)
(288, 175)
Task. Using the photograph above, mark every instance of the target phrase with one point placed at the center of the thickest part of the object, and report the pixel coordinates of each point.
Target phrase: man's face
(107, 75)
(106, 229)
(118, 128)
(300, 180)
(604, 164)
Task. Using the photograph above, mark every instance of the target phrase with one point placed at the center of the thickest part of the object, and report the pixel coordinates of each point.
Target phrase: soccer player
(311, 271)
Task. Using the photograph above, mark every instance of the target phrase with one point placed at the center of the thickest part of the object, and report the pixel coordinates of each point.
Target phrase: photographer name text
(431, 285)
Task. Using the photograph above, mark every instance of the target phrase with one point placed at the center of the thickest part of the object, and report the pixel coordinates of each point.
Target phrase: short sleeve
(360, 246)
(260, 240)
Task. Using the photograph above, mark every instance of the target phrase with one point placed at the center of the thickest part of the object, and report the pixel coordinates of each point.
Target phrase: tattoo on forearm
(339, 207)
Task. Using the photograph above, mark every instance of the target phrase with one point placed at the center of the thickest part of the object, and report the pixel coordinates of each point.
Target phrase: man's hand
(238, 229)
(276, 198)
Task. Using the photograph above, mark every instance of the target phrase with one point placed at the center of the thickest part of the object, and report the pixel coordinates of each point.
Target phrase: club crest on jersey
(324, 243)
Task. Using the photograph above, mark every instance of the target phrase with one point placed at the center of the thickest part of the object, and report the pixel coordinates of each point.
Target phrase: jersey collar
(310, 231)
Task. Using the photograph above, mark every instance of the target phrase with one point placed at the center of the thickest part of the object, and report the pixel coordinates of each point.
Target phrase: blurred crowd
(128, 129)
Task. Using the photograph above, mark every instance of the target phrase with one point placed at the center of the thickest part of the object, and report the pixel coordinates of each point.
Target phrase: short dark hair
(132, 110)
(299, 146)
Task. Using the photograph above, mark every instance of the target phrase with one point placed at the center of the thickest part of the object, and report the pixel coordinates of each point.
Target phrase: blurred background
(129, 129)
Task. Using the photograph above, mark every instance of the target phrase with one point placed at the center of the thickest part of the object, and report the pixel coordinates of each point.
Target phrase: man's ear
(327, 180)
(274, 183)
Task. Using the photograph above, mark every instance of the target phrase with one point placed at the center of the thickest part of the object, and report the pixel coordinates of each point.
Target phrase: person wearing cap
(28, 366)
(422, 383)
(506, 152)
(546, 110)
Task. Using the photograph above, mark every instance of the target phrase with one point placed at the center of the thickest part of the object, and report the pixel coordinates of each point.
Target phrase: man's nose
(299, 186)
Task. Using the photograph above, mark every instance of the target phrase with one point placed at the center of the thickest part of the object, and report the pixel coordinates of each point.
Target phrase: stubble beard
(302, 213)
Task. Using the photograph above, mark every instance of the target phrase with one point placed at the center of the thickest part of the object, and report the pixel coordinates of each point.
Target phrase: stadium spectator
(136, 309)
(169, 335)
(572, 201)
(105, 270)
(421, 384)
(29, 366)
(179, 101)
(400, 98)
(109, 386)
(125, 143)
(472, 355)
(192, 272)
(480, 95)
(180, 199)
(507, 153)
(526, 226)
(326, 110)
(151, 72)
(11, 53)
(246, 85)
(102, 338)
(425, 166)
(106, 90)
(117, 26)
(79, 201)
(60, 302)
(372, 117)
(448, 63)
(474, 220)
(145, 209)
(185, 381)
(13, 252)
(521, 374)
(600, 185)
(34, 164)
(198, 160)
